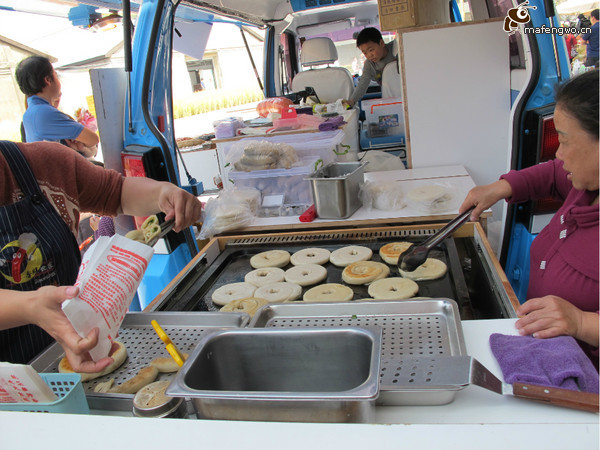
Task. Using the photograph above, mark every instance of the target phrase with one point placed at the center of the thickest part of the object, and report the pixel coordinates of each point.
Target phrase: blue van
(478, 86)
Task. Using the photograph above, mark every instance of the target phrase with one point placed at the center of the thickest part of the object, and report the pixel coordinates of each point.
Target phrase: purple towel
(106, 227)
(557, 362)
(332, 123)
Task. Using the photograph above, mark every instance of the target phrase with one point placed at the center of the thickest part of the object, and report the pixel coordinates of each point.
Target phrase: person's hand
(482, 197)
(80, 147)
(550, 316)
(47, 314)
(94, 222)
(179, 204)
(75, 145)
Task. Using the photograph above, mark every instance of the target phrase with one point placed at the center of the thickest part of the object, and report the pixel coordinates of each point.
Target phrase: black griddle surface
(234, 263)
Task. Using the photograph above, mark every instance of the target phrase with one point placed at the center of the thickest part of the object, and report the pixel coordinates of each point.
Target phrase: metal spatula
(453, 372)
(416, 255)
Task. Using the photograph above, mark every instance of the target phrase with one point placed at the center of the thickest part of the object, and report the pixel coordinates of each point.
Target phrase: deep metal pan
(425, 328)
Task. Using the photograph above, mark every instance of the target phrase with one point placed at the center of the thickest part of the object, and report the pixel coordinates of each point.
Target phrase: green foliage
(213, 100)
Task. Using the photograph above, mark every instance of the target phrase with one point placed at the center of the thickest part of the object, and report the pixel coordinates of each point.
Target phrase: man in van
(378, 54)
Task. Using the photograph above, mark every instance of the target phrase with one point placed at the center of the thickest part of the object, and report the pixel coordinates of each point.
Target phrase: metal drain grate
(143, 345)
(402, 336)
(346, 236)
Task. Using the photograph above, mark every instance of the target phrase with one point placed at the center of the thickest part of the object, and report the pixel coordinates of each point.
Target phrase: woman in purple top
(563, 297)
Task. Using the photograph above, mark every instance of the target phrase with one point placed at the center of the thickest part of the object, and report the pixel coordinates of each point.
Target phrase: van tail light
(547, 147)
(133, 166)
(548, 139)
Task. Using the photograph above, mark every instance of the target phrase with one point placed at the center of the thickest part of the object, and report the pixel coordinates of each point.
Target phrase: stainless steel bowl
(292, 375)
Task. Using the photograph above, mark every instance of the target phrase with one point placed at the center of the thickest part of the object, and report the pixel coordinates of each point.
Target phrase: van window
(288, 61)
(499, 8)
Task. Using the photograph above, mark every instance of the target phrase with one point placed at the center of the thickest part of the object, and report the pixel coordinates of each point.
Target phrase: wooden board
(457, 98)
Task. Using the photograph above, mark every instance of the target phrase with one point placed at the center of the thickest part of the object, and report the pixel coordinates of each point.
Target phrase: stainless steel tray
(410, 328)
(143, 345)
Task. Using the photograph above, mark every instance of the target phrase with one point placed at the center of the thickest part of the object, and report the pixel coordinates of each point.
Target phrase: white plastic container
(384, 116)
(290, 183)
(321, 145)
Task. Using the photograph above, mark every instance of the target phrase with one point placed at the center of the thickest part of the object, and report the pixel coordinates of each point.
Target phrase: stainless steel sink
(299, 375)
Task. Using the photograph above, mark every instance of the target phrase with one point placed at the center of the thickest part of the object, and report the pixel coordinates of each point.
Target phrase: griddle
(233, 263)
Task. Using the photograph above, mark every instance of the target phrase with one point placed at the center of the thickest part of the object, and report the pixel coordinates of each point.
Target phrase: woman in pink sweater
(563, 296)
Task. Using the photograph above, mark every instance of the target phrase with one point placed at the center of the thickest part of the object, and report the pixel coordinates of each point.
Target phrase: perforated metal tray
(412, 328)
(143, 345)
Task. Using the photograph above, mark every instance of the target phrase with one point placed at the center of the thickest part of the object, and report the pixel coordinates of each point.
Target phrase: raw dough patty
(279, 292)
(267, 275)
(246, 305)
(270, 258)
(349, 254)
(306, 274)
(330, 292)
(310, 256)
(431, 269)
(395, 288)
(231, 292)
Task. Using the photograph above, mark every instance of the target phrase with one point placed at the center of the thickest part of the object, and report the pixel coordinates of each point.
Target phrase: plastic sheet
(225, 213)
(383, 195)
(434, 198)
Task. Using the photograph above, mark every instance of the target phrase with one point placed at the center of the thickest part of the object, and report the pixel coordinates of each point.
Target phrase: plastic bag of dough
(287, 156)
(383, 195)
(224, 214)
(433, 198)
(256, 155)
(380, 161)
(246, 194)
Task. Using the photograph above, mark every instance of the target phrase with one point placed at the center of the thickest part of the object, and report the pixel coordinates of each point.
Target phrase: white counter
(455, 178)
(475, 419)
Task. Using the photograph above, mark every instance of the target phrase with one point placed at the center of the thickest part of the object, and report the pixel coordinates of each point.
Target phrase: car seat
(329, 83)
(391, 80)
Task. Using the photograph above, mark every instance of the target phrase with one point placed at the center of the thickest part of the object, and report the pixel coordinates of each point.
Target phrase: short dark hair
(369, 34)
(579, 98)
(595, 13)
(31, 73)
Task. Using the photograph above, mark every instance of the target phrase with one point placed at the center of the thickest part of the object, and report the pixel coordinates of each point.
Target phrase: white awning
(576, 6)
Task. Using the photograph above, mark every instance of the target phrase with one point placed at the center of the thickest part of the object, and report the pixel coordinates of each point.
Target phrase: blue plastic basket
(68, 389)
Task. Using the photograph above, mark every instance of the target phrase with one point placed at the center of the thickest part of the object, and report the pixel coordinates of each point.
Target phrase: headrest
(395, 47)
(318, 51)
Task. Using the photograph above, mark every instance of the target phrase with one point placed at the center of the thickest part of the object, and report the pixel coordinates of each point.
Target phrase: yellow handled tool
(173, 351)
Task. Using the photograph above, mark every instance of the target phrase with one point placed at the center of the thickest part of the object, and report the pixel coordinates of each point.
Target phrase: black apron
(37, 249)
